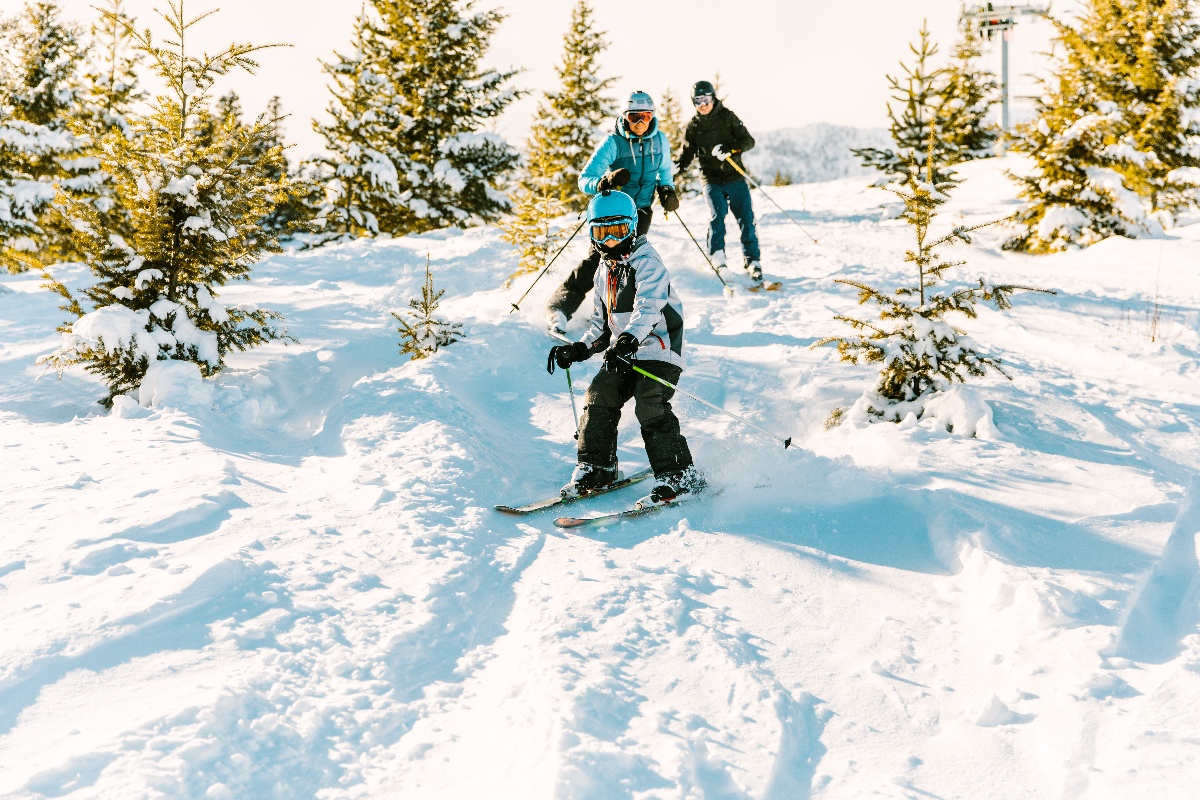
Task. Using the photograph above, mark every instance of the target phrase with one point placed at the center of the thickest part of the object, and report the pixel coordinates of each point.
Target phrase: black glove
(613, 179)
(566, 354)
(668, 198)
(622, 349)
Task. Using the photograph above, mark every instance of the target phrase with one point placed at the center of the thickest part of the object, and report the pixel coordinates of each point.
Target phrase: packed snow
(289, 581)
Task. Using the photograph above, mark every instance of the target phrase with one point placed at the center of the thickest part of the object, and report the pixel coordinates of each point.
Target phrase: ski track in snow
(298, 588)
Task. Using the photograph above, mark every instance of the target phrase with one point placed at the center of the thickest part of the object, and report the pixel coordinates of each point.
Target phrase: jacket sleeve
(666, 169)
(595, 337)
(688, 152)
(653, 290)
(740, 138)
(597, 165)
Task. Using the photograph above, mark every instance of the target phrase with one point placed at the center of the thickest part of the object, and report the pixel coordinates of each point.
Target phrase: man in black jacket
(714, 135)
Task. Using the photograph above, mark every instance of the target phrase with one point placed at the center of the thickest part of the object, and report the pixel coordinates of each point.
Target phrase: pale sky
(782, 63)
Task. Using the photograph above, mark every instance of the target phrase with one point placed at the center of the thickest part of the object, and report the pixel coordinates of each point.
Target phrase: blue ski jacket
(647, 157)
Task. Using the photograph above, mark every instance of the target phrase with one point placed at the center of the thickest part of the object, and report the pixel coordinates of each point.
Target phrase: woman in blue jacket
(634, 159)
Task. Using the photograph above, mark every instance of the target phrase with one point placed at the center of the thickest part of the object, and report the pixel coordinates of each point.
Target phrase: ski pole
(517, 305)
(701, 249)
(759, 186)
(574, 413)
(786, 442)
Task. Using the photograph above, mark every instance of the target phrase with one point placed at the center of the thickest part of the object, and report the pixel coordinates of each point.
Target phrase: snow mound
(174, 384)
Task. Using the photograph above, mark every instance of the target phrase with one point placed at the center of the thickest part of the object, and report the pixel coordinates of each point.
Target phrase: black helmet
(702, 88)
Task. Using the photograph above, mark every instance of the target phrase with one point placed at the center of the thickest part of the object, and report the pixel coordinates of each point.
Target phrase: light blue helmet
(612, 218)
(639, 101)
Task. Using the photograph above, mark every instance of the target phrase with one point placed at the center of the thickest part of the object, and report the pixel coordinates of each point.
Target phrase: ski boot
(718, 259)
(669, 487)
(755, 270)
(588, 478)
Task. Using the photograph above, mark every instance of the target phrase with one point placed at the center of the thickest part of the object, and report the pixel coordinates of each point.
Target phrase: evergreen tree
(1117, 137)
(964, 103)
(670, 122)
(413, 135)
(112, 80)
(571, 120)
(561, 140)
(918, 92)
(426, 334)
(360, 179)
(448, 168)
(538, 205)
(919, 350)
(194, 207)
(43, 151)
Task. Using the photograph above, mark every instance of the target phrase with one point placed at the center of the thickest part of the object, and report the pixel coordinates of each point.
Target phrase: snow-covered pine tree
(113, 85)
(670, 122)
(564, 132)
(920, 351)
(360, 179)
(265, 155)
(964, 103)
(1116, 142)
(570, 120)
(194, 207)
(43, 150)
(290, 210)
(917, 92)
(448, 168)
(425, 334)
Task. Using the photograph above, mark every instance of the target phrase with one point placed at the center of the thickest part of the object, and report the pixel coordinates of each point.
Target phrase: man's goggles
(611, 230)
(638, 117)
(702, 100)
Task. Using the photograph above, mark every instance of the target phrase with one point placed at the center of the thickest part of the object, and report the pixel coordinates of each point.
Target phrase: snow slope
(289, 582)
(813, 153)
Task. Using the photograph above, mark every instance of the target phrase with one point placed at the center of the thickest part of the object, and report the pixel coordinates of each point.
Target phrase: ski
(550, 502)
(621, 516)
(773, 286)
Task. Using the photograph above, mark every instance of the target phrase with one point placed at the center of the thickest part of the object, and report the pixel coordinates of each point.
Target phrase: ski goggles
(611, 230)
(702, 100)
(638, 117)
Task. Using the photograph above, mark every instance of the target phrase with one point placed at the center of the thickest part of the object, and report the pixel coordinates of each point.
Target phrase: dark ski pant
(609, 391)
(568, 296)
(723, 198)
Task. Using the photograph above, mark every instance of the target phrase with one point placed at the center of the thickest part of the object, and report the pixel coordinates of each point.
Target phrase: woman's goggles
(611, 230)
(638, 117)
(702, 100)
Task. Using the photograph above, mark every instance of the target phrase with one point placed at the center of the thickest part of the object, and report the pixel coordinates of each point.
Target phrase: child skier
(637, 311)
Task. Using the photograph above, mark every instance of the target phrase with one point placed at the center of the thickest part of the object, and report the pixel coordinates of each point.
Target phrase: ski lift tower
(989, 19)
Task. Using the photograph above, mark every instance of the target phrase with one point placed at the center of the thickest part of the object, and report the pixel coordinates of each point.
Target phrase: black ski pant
(609, 391)
(568, 296)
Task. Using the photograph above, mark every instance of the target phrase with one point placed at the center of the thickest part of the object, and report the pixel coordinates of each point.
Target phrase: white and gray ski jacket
(634, 295)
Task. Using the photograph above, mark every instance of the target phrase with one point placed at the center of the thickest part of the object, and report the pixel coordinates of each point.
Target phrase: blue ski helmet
(639, 101)
(612, 217)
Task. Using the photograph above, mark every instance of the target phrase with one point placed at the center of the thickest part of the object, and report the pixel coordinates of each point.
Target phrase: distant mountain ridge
(812, 153)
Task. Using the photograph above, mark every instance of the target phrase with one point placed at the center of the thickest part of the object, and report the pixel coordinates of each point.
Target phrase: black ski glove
(622, 349)
(668, 198)
(566, 354)
(613, 179)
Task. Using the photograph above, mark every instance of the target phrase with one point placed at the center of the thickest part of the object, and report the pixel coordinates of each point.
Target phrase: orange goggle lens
(638, 117)
(614, 231)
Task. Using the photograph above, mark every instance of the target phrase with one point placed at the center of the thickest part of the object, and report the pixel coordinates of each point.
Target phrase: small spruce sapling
(920, 352)
(426, 334)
